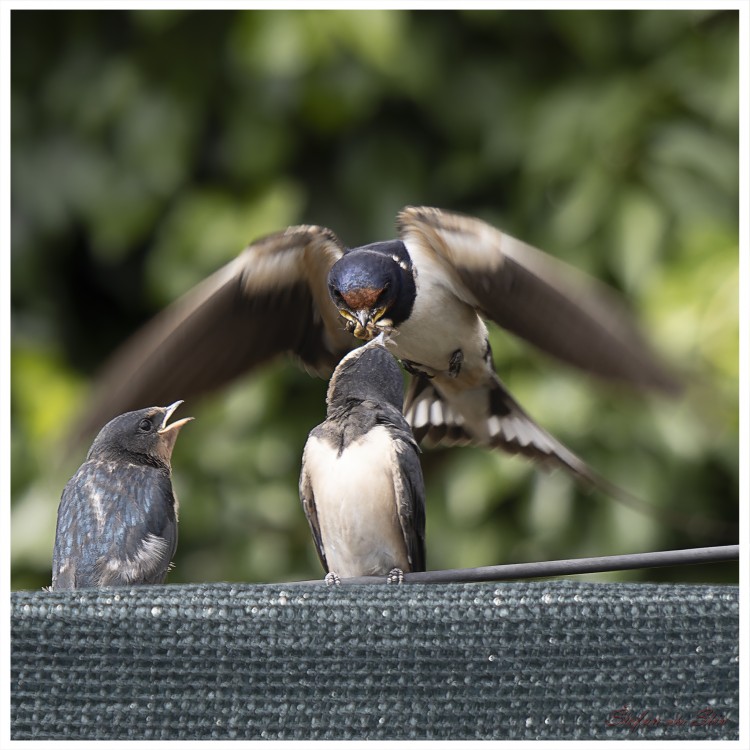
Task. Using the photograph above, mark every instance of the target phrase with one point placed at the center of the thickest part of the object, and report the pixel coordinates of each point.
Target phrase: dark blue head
(373, 287)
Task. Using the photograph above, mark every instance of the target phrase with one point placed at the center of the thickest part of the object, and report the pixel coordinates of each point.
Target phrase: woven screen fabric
(543, 660)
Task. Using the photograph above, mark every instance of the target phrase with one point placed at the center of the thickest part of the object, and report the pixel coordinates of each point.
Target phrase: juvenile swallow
(361, 482)
(117, 519)
(301, 291)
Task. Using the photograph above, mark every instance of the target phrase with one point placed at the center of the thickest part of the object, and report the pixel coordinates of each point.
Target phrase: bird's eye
(335, 293)
(145, 425)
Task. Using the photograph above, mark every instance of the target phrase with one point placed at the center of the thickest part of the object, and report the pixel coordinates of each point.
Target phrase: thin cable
(545, 569)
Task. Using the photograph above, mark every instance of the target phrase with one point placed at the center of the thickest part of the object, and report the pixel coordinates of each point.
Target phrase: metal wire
(545, 569)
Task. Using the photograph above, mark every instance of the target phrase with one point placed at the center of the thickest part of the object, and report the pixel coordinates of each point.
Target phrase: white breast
(440, 322)
(356, 505)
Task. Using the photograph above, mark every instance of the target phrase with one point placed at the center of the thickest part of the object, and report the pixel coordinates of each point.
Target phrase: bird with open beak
(117, 519)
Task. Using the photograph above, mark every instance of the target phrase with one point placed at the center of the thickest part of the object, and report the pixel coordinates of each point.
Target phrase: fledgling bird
(361, 482)
(430, 289)
(117, 519)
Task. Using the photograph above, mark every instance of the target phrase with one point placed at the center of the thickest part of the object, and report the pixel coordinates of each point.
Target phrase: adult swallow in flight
(361, 482)
(117, 519)
(301, 291)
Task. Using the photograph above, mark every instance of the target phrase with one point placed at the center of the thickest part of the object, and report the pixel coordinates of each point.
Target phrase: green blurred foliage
(148, 147)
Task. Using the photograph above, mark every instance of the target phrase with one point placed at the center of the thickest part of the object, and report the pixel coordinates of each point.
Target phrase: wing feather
(271, 299)
(560, 310)
(117, 525)
(409, 489)
(408, 484)
(307, 496)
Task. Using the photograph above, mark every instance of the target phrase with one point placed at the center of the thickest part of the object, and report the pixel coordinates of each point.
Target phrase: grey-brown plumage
(361, 482)
(117, 519)
(273, 298)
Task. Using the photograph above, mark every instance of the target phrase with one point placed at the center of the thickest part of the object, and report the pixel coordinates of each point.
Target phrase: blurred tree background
(148, 147)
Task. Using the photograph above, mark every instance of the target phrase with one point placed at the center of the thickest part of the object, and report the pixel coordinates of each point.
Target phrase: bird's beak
(366, 324)
(175, 426)
(357, 322)
(168, 432)
(363, 327)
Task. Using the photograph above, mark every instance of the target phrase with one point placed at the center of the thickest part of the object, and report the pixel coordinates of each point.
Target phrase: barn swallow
(301, 291)
(361, 482)
(117, 520)
(429, 290)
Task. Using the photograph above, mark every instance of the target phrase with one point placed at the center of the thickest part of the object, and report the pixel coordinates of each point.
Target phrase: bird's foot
(395, 576)
(413, 368)
(454, 367)
(332, 579)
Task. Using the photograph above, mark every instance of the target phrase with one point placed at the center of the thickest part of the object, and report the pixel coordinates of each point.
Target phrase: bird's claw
(332, 579)
(454, 367)
(395, 576)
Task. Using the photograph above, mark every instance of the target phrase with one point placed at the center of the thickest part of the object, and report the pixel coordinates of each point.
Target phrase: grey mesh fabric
(542, 660)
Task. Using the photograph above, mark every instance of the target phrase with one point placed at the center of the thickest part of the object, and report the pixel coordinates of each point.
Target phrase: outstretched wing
(553, 306)
(273, 298)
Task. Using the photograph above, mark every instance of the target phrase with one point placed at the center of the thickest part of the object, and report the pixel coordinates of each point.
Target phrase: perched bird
(301, 291)
(361, 482)
(117, 520)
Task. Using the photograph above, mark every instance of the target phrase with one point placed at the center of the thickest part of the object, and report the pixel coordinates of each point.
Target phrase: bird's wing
(147, 562)
(408, 485)
(69, 538)
(77, 541)
(116, 526)
(307, 496)
(272, 298)
(511, 429)
(147, 538)
(550, 304)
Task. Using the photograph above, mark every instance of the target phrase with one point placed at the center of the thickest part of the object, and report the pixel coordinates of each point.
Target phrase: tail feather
(435, 421)
(431, 418)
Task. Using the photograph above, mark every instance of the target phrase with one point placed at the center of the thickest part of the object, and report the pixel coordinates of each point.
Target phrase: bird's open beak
(168, 432)
(175, 426)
